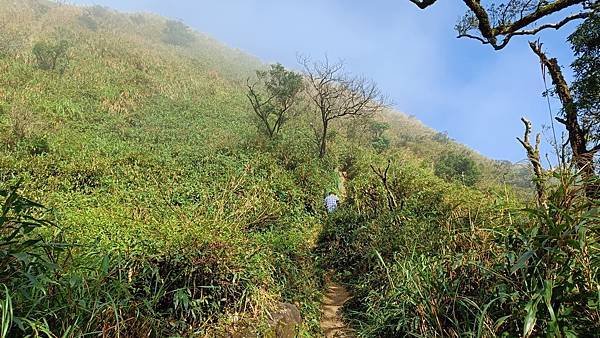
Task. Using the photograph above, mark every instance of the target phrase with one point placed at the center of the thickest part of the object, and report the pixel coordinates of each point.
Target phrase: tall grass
(454, 261)
(177, 219)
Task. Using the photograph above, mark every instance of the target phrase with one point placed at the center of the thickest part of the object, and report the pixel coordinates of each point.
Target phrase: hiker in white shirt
(331, 202)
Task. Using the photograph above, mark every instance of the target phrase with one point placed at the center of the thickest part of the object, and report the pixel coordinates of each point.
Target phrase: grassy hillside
(168, 213)
(145, 152)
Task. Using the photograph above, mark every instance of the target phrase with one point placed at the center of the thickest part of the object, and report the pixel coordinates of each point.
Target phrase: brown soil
(332, 323)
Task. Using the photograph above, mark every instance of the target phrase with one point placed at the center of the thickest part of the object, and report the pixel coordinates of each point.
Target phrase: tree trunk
(582, 156)
(323, 146)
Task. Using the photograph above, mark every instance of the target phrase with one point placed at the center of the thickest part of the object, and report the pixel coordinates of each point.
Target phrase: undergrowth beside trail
(454, 261)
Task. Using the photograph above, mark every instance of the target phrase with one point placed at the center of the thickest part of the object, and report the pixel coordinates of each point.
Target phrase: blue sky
(472, 92)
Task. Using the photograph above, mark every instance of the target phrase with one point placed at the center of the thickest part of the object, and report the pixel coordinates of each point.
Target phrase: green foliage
(10, 41)
(547, 261)
(274, 103)
(27, 261)
(441, 137)
(586, 67)
(379, 141)
(20, 248)
(178, 34)
(88, 21)
(280, 83)
(52, 56)
(458, 167)
(35, 145)
(188, 285)
(182, 221)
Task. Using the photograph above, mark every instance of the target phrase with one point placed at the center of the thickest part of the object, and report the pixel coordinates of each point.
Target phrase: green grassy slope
(185, 219)
(146, 153)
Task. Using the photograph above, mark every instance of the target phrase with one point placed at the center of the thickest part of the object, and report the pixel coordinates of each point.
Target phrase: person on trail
(331, 202)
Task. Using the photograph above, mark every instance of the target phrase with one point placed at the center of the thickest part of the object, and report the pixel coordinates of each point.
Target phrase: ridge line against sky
(475, 94)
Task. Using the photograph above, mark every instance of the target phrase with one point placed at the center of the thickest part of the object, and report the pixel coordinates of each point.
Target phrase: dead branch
(382, 174)
(533, 154)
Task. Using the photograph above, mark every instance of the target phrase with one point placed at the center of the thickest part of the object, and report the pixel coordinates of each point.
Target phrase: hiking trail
(335, 294)
(332, 323)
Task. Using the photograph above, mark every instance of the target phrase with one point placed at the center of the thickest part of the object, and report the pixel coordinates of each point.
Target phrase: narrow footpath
(335, 294)
(332, 323)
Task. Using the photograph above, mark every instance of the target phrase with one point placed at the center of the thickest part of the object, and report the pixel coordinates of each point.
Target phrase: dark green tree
(273, 97)
(178, 34)
(378, 139)
(52, 56)
(458, 167)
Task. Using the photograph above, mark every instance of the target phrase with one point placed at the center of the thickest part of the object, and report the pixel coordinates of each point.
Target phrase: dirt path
(341, 183)
(331, 321)
(336, 294)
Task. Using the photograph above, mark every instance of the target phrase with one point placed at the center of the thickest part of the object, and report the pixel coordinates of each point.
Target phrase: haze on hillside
(155, 181)
(413, 55)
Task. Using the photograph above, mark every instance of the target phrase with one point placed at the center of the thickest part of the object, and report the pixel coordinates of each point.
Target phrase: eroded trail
(331, 321)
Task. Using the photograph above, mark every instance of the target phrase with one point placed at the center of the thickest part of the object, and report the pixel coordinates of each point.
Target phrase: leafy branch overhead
(497, 23)
(585, 88)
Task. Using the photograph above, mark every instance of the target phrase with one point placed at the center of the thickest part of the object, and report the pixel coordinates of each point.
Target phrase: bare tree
(336, 94)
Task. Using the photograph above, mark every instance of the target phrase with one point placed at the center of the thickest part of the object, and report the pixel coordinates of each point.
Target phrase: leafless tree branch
(383, 176)
(336, 94)
(533, 154)
(557, 25)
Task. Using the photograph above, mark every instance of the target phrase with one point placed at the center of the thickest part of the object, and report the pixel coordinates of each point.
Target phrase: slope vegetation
(164, 211)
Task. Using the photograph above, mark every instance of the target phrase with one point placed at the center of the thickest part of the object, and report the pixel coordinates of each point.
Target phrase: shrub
(36, 145)
(52, 56)
(458, 167)
(10, 41)
(27, 261)
(46, 286)
(550, 266)
(441, 137)
(88, 22)
(138, 19)
(21, 124)
(379, 140)
(451, 263)
(177, 33)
